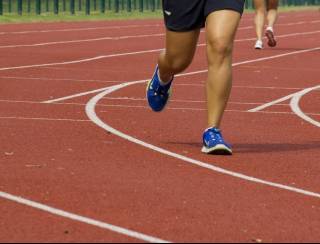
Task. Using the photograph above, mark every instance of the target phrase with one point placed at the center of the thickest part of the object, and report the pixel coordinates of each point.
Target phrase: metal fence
(76, 6)
(283, 3)
(101, 6)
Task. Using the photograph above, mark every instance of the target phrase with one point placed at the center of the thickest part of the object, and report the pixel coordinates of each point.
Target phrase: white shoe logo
(168, 12)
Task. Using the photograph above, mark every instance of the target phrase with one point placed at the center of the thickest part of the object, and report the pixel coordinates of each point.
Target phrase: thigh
(260, 5)
(272, 4)
(181, 45)
(221, 26)
(216, 5)
(183, 15)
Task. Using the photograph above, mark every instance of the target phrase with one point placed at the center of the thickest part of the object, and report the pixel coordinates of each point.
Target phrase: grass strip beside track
(109, 15)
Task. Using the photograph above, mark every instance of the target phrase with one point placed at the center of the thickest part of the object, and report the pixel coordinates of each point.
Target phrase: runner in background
(265, 9)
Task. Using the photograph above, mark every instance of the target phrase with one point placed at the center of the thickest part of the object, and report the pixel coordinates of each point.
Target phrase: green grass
(94, 16)
(294, 8)
(109, 15)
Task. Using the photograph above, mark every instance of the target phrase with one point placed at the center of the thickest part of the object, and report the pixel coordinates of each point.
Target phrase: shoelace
(216, 136)
(162, 91)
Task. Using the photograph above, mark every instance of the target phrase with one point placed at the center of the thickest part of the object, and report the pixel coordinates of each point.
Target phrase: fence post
(29, 6)
(122, 5)
(141, 5)
(116, 7)
(80, 5)
(72, 7)
(95, 5)
(64, 6)
(109, 5)
(247, 4)
(103, 6)
(20, 7)
(47, 6)
(1, 7)
(87, 7)
(56, 6)
(38, 7)
(10, 6)
(129, 7)
(153, 5)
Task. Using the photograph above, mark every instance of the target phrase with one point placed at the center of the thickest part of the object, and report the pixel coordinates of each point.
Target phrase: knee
(260, 12)
(178, 64)
(219, 47)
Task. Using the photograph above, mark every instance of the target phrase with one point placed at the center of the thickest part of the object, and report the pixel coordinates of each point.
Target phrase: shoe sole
(158, 111)
(271, 40)
(217, 150)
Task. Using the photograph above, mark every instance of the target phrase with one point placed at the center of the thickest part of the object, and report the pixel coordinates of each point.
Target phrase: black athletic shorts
(186, 15)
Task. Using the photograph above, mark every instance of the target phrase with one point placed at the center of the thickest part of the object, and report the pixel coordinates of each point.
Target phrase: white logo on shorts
(168, 12)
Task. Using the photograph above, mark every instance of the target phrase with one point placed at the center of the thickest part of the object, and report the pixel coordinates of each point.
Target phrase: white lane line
(117, 38)
(128, 99)
(294, 104)
(84, 60)
(191, 109)
(81, 41)
(131, 27)
(196, 72)
(82, 219)
(139, 106)
(91, 112)
(43, 119)
(137, 36)
(55, 79)
(201, 83)
(272, 103)
(91, 28)
(81, 60)
(267, 105)
(75, 95)
(80, 29)
(179, 101)
(84, 93)
(278, 36)
(244, 87)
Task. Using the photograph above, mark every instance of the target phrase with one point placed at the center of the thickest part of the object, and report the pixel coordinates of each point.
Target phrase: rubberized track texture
(83, 160)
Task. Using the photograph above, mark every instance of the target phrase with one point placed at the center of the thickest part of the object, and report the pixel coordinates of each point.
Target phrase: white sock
(161, 82)
(269, 28)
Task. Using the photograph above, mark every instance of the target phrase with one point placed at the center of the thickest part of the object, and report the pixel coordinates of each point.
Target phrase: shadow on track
(260, 148)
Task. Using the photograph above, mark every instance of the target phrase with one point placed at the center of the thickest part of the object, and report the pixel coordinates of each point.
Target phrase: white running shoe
(271, 39)
(259, 45)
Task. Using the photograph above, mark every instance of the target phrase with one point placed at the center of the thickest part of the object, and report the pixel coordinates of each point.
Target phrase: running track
(83, 159)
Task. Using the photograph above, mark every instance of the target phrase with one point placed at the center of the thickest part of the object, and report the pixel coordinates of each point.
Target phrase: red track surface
(54, 155)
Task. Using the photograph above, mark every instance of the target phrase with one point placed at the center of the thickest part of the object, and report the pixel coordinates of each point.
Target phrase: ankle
(164, 80)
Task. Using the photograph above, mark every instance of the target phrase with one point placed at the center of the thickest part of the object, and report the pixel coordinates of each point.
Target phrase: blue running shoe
(157, 94)
(213, 143)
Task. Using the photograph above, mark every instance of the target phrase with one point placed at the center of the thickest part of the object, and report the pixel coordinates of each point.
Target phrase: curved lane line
(82, 219)
(90, 110)
(294, 104)
(199, 71)
(283, 99)
(80, 94)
